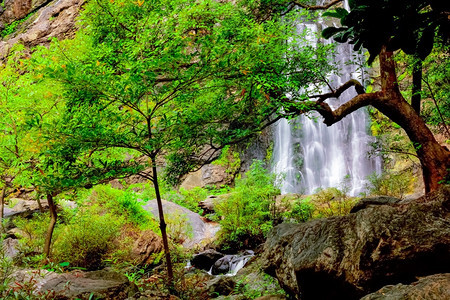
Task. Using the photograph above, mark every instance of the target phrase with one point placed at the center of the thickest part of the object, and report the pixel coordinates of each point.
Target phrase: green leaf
(330, 31)
(338, 13)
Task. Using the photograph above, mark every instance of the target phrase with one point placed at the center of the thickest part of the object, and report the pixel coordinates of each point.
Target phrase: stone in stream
(205, 260)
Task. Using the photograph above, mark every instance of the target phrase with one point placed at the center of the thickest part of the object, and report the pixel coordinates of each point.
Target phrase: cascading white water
(310, 155)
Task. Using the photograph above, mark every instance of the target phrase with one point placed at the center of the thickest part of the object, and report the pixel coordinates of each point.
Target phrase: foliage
(125, 204)
(246, 215)
(332, 202)
(301, 211)
(31, 233)
(87, 238)
(187, 198)
(230, 160)
(178, 227)
(436, 89)
(396, 184)
(10, 28)
(407, 25)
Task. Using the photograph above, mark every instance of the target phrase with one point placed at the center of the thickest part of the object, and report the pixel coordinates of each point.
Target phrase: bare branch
(335, 94)
(317, 7)
(332, 116)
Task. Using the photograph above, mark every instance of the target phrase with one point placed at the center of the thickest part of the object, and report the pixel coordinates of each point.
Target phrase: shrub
(126, 204)
(31, 234)
(88, 238)
(332, 202)
(188, 198)
(301, 211)
(245, 215)
(390, 183)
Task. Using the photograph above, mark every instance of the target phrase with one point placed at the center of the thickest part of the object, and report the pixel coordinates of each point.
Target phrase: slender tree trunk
(417, 85)
(162, 224)
(41, 209)
(51, 226)
(2, 207)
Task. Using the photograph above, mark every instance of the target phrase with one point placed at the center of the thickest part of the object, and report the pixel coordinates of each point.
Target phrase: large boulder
(351, 256)
(199, 232)
(102, 284)
(430, 287)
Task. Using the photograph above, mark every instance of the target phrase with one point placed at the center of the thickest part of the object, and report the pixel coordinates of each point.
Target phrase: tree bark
(417, 85)
(162, 224)
(434, 158)
(51, 226)
(2, 207)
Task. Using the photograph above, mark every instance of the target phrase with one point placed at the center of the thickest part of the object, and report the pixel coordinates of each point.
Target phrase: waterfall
(309, 155)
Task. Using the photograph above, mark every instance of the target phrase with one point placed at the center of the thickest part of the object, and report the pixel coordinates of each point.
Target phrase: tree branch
(335, 94)
(317, 7)
(332, 116)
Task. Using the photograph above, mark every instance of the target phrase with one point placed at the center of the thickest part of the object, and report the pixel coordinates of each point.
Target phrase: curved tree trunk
(51, 226)
(434, 158)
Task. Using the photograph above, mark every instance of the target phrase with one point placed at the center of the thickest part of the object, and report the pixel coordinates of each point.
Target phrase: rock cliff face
(49, 19)
(351, 256)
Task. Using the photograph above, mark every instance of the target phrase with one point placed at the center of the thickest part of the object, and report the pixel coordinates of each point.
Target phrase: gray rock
(381, 200)
(434, 287)
(102, 284)
(205, 260)
(222, 285)
(350, 256)
(203, 232)
(223, 265)
(10, 247)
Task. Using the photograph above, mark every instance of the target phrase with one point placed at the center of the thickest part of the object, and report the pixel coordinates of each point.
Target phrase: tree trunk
(51, 226)
(162, 224)
(41, 209)
(2, 206)
(434, 158)
(417, 85)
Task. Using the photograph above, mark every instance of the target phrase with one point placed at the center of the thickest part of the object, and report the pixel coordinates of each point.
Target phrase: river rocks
(351, 256)
(431, 287)
(148, 244)
(205, 260)
(230, 264)
(102, 284)
(222, 266)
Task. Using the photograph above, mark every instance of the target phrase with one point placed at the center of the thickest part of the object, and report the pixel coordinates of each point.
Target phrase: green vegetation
(159, 88)
(11, 28)
(246, 215)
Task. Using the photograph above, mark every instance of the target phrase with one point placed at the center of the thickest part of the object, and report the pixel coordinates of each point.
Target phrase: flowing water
(310, 155)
